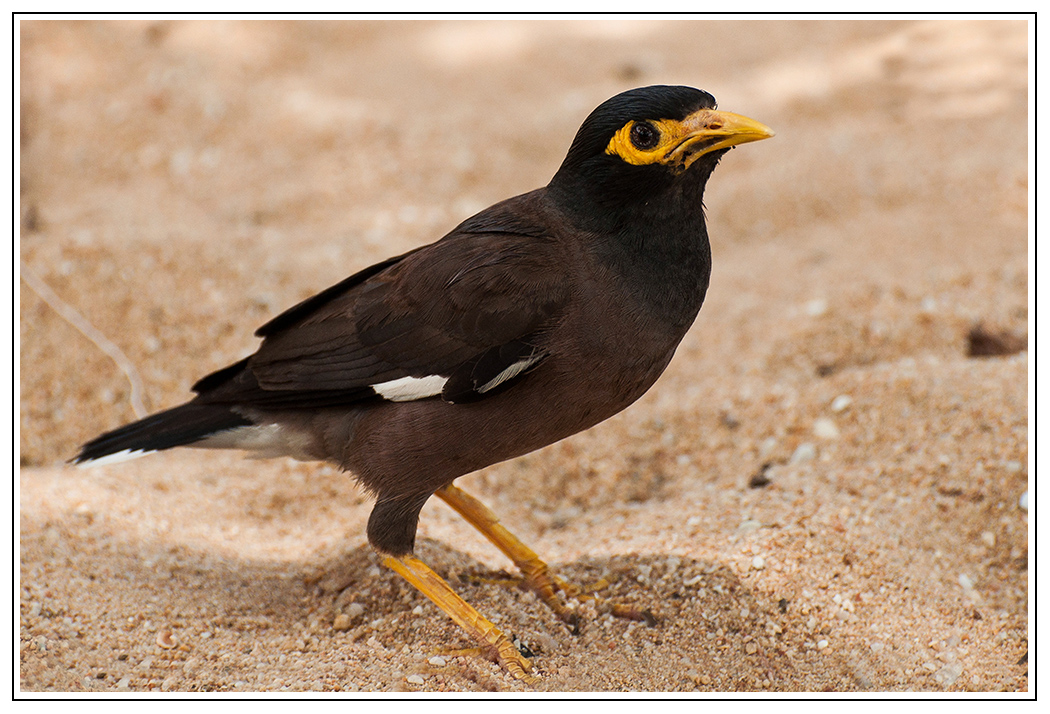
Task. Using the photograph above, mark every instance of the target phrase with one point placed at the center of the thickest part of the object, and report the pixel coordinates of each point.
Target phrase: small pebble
(342, 622)
(766, 448)
(947, 674)
(825, 428)
(758, 562)
(1023, 501)
(414, 679)
(166, 639)
(841, 403)
(805, 452)
(437, 661)
(816, 308)
(965, 581)
(822, 644)
(354, 609)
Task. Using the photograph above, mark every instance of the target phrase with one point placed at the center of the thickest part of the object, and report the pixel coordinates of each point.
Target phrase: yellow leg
(488, 635)
(538, 577)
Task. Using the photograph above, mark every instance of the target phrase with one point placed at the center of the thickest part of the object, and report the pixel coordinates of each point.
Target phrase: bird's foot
(536, 574)
(492, 641)
(512, 660)
(544, 583)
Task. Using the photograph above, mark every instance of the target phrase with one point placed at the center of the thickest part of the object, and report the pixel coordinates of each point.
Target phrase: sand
(822, 493)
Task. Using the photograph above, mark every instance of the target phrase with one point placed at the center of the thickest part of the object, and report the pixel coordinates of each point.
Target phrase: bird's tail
(180, 426)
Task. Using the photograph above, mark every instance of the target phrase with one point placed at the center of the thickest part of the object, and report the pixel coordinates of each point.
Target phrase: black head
(638, 145)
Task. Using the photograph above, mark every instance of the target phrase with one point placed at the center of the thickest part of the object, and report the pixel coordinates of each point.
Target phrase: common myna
(531, 321)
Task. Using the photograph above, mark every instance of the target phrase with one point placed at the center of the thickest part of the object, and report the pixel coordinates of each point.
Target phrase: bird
(535, 319)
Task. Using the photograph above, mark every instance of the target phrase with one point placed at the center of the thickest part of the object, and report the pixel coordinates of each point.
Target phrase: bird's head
(640, 144)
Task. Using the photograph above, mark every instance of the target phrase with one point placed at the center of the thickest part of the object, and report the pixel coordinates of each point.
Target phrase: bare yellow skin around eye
(683, 142)
(671, 134)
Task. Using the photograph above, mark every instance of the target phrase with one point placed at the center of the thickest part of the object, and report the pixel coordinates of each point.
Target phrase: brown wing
(461, 317)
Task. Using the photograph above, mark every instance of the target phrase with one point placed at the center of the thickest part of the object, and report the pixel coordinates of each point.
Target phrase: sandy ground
(821, 493)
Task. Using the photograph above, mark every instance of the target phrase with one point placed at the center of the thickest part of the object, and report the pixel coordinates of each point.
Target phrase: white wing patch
(512, 371)
(407, 389)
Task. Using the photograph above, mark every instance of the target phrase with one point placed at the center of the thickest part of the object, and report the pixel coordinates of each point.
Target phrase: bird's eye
(644, 136)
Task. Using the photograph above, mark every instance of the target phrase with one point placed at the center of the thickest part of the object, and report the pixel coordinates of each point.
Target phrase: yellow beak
(709, 130)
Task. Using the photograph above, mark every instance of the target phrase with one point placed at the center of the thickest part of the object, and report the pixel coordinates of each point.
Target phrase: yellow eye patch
(677, 144)
(670, 134)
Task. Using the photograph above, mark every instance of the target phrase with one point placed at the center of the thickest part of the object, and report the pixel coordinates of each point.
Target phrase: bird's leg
(419, 574)
(537, 574)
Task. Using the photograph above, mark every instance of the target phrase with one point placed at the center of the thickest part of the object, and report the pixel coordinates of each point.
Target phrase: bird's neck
(659, 248)
(667, 262)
